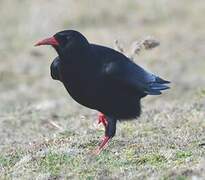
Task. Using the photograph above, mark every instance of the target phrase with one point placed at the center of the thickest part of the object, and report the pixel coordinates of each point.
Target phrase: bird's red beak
(48, 41)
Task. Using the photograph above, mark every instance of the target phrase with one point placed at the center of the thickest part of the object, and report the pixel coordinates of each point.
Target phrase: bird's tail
(157, 86)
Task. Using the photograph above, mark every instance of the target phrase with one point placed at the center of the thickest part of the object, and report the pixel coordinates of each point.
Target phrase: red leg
(103, 144)
(110, 128)
(102, 119)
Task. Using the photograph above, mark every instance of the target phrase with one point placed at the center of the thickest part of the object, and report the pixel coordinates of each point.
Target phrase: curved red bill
(48, 41)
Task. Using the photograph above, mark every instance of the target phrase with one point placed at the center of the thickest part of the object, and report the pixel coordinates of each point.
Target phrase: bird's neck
(73, 55)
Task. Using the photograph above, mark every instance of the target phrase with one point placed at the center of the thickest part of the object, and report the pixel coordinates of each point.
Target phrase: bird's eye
(64, 39)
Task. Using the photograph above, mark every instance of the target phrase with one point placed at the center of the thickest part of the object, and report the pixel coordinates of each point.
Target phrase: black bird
(101, 78)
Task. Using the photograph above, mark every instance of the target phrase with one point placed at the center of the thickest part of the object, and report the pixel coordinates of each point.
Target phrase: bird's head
(65, 41)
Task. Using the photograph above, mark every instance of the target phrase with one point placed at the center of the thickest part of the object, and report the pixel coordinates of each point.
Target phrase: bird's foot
(102, 145)
(102, 119)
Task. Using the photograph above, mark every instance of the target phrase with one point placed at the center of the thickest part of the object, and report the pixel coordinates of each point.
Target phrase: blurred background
(30, 99)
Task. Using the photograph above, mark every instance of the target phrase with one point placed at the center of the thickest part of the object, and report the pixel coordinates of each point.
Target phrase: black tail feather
(161, 81)
(156, 87)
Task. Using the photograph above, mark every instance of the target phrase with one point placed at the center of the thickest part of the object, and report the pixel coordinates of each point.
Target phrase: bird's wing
(54, 68)
(134, 76)
(117, 68)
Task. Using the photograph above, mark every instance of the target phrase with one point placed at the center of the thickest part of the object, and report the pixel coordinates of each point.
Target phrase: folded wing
(54, 69)
(134, 76)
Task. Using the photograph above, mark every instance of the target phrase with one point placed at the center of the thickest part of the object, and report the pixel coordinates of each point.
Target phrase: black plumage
(101, 78)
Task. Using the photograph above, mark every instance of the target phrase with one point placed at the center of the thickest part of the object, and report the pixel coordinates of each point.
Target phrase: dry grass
(46, 135)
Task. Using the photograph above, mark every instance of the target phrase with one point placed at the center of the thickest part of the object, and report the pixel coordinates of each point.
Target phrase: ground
(46, 135)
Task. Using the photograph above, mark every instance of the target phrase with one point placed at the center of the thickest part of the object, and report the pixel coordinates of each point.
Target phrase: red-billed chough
(101, 78)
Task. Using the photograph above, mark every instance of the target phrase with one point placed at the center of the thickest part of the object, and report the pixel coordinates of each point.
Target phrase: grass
(46, 135)
(9, 160)
(183, 154)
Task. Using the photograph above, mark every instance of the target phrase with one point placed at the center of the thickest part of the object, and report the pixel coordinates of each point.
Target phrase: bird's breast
(81, 85)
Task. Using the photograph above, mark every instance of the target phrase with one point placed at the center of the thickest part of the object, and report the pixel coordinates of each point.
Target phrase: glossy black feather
(54, 69)
(102, 78)
(121, 69)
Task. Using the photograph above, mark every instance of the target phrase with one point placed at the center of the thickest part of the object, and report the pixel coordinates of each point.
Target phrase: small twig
(136, 47)
(56, 125)
(119, 46)
(145, 44)
(202, 145)
(150, 43)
